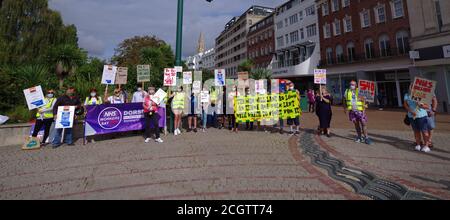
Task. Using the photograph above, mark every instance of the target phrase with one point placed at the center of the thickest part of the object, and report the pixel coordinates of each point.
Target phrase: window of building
(293, 19)
(280, 41)
(311, 10)
(345, 3)
(365, 18)
(351, 52)
(279, 25)
(286, 22)
(368, 48)
(311, 30)
(327, 30)
(348, 24)
(302, 35)
(334, 5)
(397, 8)
(301, 15)
(337, 27)
(325, 9)
(385, 47)
(294, 36)
(380, 14)
(438, 14)
(287, 39)
(402, 42)
(339, 54)
(329, 55)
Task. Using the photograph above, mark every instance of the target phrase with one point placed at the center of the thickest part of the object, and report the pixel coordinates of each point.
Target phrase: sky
(103, 24)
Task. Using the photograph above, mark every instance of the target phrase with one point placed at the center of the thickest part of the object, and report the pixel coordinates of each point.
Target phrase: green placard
(143, 73)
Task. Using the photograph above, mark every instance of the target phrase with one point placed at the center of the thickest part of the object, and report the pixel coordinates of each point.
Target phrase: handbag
(407, 120)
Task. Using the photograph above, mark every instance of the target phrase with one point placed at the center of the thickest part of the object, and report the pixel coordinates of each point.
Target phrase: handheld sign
(121, 76)
(320, 76)
(367, 90)
(143, 73)
(219, 76)
(159, 96)
(204, 96)
(187, 78)
(65, 117)
(423, 90)
(196, 87)
(179, 69)
(109, 75)
(170, 77)
(34, 97)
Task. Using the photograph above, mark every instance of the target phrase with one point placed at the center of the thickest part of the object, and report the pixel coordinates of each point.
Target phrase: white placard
(187, 78)
(65, 117)
(320, 76)
(109, 74)
(179, 69)
(159, 96)
(219, 77)
(196, 87)
(170, 77)
(259, 87)
(446, 51)
(423, 90)
(204, 96)
(34, 97)
(414, 55)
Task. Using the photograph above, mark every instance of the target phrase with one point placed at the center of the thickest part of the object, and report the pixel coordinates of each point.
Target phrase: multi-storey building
(366, 39)
(231, 44)
(202, 61)
(261, 43)
(430, 37)
(297, 43)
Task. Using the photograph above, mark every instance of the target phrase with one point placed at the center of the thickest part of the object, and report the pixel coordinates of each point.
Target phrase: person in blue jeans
(69, 99)
(418, 116)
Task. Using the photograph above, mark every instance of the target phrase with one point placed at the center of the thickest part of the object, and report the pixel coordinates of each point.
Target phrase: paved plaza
(223, 165)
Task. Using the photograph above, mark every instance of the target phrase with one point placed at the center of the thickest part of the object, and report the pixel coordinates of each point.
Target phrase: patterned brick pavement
(213, 165)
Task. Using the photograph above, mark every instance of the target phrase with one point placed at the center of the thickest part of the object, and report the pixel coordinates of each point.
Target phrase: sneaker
(159, 140)
(418, 148)
(358, 140)
(189, 130)
(195, 130)
(426, 149)
(54, 146)
(368, 141)
(203, 130)
(147, 140)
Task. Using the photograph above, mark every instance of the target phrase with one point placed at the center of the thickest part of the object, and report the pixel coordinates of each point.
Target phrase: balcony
(358, 58)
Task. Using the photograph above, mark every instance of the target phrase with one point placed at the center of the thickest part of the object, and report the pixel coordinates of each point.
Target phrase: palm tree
(66, 58)
(246, 66)
(261, 74)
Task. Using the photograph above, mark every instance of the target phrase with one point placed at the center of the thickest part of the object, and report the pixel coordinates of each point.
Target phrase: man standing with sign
(69, 99)
(356, 105)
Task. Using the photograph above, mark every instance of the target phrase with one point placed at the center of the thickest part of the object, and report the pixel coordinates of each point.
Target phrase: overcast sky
(103, 24)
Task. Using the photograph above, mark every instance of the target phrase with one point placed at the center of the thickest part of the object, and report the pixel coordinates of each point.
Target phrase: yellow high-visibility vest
(49, 104)
(90, 101)
(349, 98)
(178, 101)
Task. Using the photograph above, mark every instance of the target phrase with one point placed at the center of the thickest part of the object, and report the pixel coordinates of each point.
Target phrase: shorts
(292, 121)
(355, 116)
(177, 111)
(431, 122)
(420, 124)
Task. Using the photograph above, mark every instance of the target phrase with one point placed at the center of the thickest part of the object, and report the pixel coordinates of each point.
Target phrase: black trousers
(47, 123)
(152, 120)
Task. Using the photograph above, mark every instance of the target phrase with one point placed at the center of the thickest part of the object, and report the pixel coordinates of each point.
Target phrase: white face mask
(139, 89)
(50, 95)
(353, 87)
(93, 94)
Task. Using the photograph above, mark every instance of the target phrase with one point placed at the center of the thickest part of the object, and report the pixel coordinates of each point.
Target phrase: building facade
(430, 37)
(202, 61)
(231, 44)
(297, 43)
(366, 39)
(261, 43)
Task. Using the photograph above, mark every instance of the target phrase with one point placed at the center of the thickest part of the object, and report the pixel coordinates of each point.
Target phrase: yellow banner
(267, 107)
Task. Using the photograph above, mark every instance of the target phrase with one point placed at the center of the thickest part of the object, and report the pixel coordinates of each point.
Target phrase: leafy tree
(258, 74)
(129, 50)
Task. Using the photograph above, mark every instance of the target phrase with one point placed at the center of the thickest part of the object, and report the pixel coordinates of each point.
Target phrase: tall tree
(66, 58)
(129, 50)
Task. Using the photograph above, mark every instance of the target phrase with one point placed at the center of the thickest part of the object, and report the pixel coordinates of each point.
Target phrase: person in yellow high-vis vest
(356, 106)
(93, 99)
(177, 108)
(44, 117)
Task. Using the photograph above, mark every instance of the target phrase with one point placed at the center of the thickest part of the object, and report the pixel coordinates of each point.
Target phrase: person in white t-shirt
(117, 98)
(139, 96)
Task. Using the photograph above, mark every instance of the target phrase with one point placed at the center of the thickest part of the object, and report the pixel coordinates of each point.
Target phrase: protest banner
(197, 87)
(34, 97)
(320, 76)
(143, 73)
(109, 74)
(267, 107)
(243, 80)
(170, 77)
(121, 76)
(65, 117)
(204, 97)
(423, 90)
(187, 78)
(106, 119)
(367, 90)
(219, 77)
(159, 96)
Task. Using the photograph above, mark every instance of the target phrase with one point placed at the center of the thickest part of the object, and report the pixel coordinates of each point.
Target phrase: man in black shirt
(69, 99)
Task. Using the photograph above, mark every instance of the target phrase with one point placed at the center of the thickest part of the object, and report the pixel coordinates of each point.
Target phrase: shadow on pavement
(446, 183)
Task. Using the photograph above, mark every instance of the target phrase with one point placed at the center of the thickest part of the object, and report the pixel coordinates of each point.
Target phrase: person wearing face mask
(117, 98)
(138, 96)
(69, 99)
(418, 117)
(93, 98)
(294, 121)
(151, 116)
(44, 117)
(177, 109)
(356, 106)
